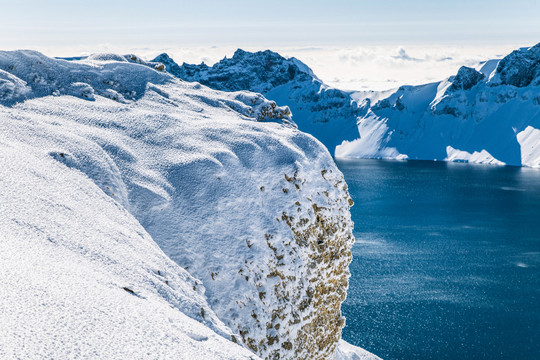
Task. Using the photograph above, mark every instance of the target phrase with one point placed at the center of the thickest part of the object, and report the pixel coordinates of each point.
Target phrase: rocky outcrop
(299, 316)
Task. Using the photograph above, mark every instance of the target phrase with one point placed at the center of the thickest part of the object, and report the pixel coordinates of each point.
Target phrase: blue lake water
(447, 260)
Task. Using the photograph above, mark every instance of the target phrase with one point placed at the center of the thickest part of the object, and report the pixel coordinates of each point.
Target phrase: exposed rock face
(327, 113)
(304, 321)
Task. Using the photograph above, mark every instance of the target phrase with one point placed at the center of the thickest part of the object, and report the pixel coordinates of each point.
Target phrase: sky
(350, 44)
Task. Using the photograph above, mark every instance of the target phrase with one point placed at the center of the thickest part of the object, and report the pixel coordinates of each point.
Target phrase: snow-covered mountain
(485, 115)
(327, 113)
(104, 158)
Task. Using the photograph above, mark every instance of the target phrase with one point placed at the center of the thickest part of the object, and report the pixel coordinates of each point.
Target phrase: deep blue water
(447, 260)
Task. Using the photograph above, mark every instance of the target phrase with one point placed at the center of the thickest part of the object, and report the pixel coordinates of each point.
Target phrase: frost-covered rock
(488, 116)
(253, 211)
(327, 113)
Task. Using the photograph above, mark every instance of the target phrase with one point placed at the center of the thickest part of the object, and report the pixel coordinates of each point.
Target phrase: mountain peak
(465, 79)
(239, 53)
(163, 57)
(265, 54)
(254, 71)
(520, 68)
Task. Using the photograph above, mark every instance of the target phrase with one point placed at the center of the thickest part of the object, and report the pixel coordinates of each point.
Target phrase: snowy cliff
(328, 114)
(104, 157)
(490, 115)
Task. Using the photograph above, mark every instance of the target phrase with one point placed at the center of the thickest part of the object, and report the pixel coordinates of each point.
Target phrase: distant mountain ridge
(258, 72)
(487, 116)
(325, 112)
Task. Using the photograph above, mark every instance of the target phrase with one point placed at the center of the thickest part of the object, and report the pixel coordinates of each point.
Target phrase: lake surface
(447, 260)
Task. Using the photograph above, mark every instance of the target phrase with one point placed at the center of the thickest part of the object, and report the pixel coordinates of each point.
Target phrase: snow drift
(104, 155)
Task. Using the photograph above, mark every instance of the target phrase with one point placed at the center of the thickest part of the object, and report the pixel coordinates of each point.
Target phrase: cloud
(384, 67)
(402, 55)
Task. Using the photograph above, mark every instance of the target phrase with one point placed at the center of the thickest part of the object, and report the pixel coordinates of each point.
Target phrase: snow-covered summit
(327, 113)
(487, 116)
(106, 156)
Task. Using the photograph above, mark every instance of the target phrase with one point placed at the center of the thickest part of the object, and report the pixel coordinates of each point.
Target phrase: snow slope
(487, 116)
(327, 113)
(347, 351)
(82, 278)
(102, 156)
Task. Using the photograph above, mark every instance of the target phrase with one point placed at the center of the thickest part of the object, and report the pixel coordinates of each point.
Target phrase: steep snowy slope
(486, 116)
(328, 114)
(254, 209)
